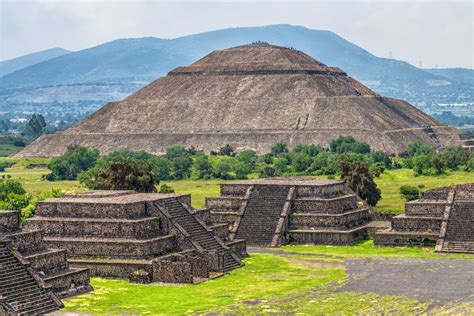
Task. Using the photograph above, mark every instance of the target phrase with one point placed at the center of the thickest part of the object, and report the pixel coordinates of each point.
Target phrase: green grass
(267, 284)
(391, 181)
(31, 178)
(367, 249)
(7, 150)
(263, 276)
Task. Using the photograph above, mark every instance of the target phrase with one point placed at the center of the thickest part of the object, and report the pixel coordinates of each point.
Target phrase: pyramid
(250, 97)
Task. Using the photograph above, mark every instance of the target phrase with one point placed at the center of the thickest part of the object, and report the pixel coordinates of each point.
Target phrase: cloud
(432, 32)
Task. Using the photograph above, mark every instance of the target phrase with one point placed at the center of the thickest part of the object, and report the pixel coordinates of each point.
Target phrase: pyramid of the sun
(250, 96)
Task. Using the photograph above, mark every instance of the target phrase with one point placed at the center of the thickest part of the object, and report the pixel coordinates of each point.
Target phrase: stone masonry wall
(9, 221)
(329, 206)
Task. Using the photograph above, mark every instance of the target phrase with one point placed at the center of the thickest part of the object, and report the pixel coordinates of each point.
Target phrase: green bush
(74, 161)
(344, 144)
(120, 174)
(164, 188)
(409, 192)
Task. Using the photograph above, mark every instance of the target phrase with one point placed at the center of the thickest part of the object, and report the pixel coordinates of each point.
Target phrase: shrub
(121, 174)
(222, 170)
(279, 148)
(164, 188)
(267, 172)
(74, 161)
(409, 192)
(227, 150)
(201, 168)
(344, 144)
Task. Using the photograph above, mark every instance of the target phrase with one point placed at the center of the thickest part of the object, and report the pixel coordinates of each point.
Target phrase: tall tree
(36, 126)
(359, 179)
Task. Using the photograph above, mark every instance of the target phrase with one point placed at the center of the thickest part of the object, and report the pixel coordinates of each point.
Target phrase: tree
(181, 161)
(409, 192)
(222, 170)
(202, 168)
(74, 161)
(36, 125)
(227, 150)
(240, 169)
(279, 148)
(300, 161)
(418, 149)
(359, 179)
(382, 157)
(249, 158)
(280, 165)
(267, 172)
(121, 174)
(309, 150)
(344, 144)
(12, 195)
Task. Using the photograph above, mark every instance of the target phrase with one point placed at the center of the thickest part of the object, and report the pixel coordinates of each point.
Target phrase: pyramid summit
(250, 97)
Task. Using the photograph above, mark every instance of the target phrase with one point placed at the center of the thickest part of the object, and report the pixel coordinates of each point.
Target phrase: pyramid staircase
(199, 233)
(265, 205)
(49, 263)
(22, 292)
(460, 228)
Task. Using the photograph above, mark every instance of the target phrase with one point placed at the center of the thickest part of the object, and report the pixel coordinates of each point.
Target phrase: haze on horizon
(433, 33)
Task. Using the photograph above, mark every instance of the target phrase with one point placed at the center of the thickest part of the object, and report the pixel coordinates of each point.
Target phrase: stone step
(119, 247)
(96, 227)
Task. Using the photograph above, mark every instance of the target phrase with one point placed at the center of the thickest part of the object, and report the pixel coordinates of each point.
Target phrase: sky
(424, 33)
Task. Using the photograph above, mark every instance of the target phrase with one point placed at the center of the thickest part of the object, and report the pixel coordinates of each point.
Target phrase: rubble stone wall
(9, 221)
(224, 203)
(91, 210)
(327, 206)
(403, 223)
(425, 208)
(327, 238)
(111, 269)
(349, 219)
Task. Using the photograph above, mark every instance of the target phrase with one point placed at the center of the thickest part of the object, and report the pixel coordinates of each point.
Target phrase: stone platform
(443, 217)
(142, 236)
(48, 261)
(276, 212)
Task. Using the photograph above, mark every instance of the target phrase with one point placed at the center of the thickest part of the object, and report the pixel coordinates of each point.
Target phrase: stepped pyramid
(121, 233)
(279, 211)
(442, 216)
(250, 97)
(49, 263)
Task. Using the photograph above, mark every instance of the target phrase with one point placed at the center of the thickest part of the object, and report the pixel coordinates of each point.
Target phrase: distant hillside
(149, 58)
(127, 64)
(12, 65)
(456, 74)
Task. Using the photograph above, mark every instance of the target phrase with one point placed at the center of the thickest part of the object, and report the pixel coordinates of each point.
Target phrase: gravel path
(423, 279)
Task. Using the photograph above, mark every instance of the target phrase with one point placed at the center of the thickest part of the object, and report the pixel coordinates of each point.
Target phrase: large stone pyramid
(250, 96)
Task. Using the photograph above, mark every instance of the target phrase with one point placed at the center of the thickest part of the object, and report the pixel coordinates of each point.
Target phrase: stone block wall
(27, 241)
(425, 208)
(327, 206)
(339, 221)
(330, 190)
(75, 209)
(228, 203)
(408, 223)
(111, 268)
(9, 221)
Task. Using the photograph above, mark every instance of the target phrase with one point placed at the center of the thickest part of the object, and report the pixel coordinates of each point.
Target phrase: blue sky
(431, 32)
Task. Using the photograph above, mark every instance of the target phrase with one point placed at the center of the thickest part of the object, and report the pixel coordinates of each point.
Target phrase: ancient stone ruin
(443, 217)
(276, 212)
(49, 263)
(250, 97)
(145, 237)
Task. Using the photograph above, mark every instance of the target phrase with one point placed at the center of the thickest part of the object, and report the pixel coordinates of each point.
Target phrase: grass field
(268, 283)
(7, 150)
(389, 183)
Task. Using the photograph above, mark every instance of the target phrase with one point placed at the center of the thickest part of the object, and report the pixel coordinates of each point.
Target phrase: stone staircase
(199, 233)
(460, 228)
(260, 219)
(20, 292)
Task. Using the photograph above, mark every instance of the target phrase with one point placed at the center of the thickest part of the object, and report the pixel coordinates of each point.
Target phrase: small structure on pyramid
(145, 237)
(276, 212)
(250, 97)
(49, 263)
(443, 217)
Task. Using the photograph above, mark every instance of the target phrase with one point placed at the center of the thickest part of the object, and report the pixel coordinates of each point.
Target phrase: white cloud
(432, 32)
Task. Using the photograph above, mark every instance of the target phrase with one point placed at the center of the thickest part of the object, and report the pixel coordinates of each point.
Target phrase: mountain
(12, 65)
(462, 75)
(127, 64)
(250, 97)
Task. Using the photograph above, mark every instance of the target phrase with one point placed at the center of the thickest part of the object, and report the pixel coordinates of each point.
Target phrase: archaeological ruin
(250, 97)
(145, 237)
(34, 275)
(281, 211)
(443, 217)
